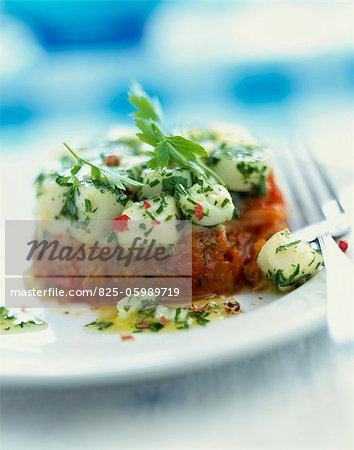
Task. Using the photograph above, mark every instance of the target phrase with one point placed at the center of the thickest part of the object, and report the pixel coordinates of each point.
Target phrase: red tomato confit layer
(224, 257)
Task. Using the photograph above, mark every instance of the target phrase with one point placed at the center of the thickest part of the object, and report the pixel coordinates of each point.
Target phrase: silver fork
(322, 217)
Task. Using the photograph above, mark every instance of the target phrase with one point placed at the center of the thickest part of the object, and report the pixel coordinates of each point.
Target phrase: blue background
(272, 66)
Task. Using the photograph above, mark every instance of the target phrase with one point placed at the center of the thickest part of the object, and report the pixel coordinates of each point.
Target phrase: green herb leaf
(170, 151)
(150, 132)
(116, 179)
(162, 157)
(147, 108)
(186, 147)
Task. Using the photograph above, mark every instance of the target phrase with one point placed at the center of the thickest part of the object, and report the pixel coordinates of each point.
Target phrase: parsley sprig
(116, 179)
(146, 108)
(169, 150)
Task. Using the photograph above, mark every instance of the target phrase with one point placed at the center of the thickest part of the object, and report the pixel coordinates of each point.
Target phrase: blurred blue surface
(270, 66)
(78, 23)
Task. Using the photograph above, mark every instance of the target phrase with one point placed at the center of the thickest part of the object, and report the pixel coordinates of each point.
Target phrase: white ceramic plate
(66, 353)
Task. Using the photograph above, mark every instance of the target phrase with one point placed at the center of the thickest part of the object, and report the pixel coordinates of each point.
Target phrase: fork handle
(340, 282)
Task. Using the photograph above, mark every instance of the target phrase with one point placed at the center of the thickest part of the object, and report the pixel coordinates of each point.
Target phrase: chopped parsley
(225, 202)
(100, 325)
(280, 281)
(286, 246)
(170, 184)
(246, 169)
(69, 209)
(154, 183)
(39, 183)
(88, 206)
(115, 178)
(149, 318)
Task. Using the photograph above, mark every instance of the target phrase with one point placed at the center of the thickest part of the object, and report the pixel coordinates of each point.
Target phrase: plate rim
(309, 320)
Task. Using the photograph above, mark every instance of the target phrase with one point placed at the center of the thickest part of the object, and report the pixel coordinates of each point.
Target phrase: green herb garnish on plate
(169, 151)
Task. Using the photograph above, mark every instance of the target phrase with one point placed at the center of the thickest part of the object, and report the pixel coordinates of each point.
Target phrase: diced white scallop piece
(97, 202)
(155, 181)
(96, 207)
(206, 204)
(288, 262)
(50, 199)
(164, 311)
(150, 220)
(233, 134)
(152, 182)
(217, 134)
(242, 168)
(158, 208)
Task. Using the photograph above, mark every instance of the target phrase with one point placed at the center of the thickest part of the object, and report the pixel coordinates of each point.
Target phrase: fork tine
(327, 181)
(301, 188)
(296, 218)
(323, 195)
(316, 202)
